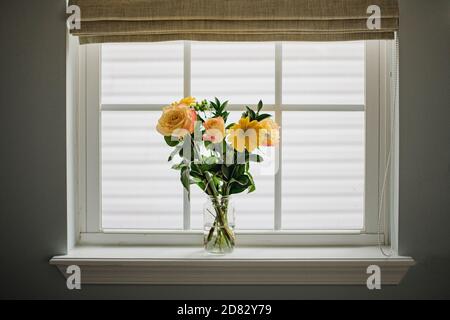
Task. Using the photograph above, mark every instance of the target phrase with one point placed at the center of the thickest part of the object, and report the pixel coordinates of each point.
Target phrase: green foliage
(255, 158)
(250, 113)
(260, 105)
(213, 174)
(178, 150)
(263, 116)
(171, 141)
(219, 109)
(185, 178)
(202, 106)
(252, 186)
(255, 115)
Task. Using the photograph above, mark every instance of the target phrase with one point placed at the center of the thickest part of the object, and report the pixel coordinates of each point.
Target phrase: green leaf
(251, 113)
(255, 158)
(185, 179)
(236, 188)
(224, 106)
(196, 180)
(260, 105)
(196, 175)
(208, 144)
(217, 182)
(178, 166)
(202, 185)
(252, 186)
(242, 180)
(174, 153)
(196, 168)
(226, 171)
(199, 118)
(210, 160)
(225, 116)
(209, 177)
(263, 116)
(239, 171)
(172, 142)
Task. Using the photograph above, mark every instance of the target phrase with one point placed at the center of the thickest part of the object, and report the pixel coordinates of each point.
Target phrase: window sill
(247, 265)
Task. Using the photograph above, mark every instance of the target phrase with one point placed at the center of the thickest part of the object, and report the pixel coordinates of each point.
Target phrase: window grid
(278, 108)
(187, 93)
(279, 119)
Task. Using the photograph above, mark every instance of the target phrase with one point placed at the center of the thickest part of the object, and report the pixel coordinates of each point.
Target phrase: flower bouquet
(216, 155)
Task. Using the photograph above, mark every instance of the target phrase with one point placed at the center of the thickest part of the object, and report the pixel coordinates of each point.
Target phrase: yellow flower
(245, 135)
(177, 120)
(215, 130)
(188, 101)
(269, 133)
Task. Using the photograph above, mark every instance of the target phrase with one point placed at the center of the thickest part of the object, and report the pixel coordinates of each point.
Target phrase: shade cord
(381, 212)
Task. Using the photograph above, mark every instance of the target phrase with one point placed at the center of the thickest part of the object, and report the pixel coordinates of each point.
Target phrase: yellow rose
(177, 120)
(215, 130)
(270, 133)
(188, 101)
(245, 135)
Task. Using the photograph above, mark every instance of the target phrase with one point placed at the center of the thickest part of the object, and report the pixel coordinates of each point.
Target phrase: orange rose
(177, 120)
(215, 130)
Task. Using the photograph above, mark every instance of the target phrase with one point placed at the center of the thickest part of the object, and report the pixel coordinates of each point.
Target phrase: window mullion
(93, 139)
(187, 93)
(372, 143)
(279, 120)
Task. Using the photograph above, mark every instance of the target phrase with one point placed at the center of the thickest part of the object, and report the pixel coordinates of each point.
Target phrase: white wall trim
(72, 101)
(245, 266)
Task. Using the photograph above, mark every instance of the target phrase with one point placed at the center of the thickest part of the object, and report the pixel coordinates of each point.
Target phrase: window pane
(139, 188)
(238, 72)
(323, 73)
(142, 73)
(254, 211)
(323, 170)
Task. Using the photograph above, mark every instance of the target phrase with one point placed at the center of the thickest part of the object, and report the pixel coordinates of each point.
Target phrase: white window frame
(377, 128)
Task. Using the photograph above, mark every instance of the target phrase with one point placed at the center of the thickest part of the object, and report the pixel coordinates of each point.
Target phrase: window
(322, 187)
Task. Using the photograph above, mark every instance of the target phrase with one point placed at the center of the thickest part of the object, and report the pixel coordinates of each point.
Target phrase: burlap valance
(232, 20)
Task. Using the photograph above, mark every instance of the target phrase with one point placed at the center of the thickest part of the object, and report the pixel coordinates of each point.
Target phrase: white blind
(142, 73)
(323, 170)
(323, 152)
(323, 73)
(239, 72)
(139, 190)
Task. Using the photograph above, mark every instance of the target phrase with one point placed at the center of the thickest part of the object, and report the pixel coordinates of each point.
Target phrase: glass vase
(219, 223)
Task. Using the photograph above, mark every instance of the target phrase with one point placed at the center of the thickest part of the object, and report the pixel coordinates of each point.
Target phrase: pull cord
(381, 212)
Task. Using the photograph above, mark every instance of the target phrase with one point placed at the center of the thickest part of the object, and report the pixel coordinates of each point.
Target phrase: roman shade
(232, 20)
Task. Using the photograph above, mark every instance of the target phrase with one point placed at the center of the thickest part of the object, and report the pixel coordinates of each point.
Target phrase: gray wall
(32, 175)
